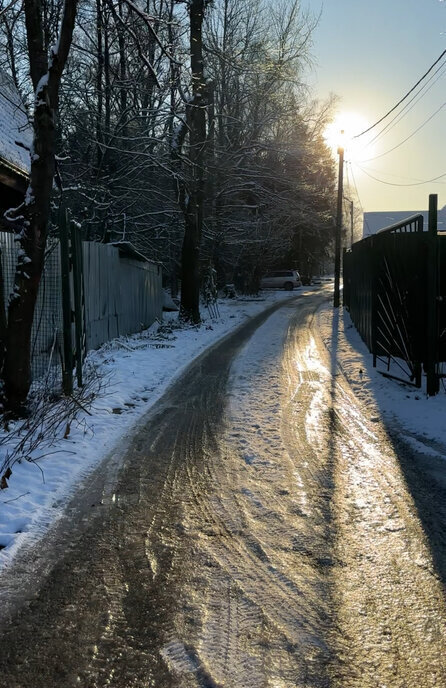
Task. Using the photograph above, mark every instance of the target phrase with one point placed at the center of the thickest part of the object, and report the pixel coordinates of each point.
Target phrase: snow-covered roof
(15, 128)
(374, 221)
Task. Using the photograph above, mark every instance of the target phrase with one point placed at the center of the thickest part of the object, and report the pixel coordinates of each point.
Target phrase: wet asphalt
(259, 532)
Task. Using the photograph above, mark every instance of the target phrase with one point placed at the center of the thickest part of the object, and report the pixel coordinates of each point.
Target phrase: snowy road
(262, 533)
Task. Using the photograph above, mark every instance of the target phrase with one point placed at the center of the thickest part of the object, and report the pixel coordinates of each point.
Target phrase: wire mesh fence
(47, 327)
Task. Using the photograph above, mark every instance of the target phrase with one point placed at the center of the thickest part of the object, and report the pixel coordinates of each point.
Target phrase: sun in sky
(352, 124)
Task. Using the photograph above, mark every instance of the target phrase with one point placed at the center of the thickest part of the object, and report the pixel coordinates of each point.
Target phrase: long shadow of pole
(425, 477)
(333, 383)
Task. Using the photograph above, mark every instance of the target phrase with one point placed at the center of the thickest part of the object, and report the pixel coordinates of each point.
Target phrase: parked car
(281, 279)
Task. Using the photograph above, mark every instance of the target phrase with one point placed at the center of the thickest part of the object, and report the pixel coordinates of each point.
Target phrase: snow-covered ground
(394, 401)
(139, 369)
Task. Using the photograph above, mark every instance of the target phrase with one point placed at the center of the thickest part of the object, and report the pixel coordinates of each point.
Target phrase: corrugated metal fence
(122, 292)
(122, 295)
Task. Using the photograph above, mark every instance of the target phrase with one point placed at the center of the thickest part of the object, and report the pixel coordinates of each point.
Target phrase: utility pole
(337, 265)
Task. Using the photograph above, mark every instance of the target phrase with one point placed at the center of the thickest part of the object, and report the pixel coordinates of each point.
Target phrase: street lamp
(337, 265)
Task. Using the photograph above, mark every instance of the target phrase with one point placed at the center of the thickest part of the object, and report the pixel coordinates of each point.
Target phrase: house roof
(374, 221)
(15, 129)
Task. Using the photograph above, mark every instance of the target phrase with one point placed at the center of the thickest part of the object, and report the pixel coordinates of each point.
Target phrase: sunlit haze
(351, 124)
(370, 54)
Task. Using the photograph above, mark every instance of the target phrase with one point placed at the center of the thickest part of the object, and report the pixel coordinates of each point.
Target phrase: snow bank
(401, 405)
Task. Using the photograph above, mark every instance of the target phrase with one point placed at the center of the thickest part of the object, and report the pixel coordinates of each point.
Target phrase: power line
(349, 185)
(381, 181)
(408, 137)
(406, 109)
(389, 174)
(359, 199)
(403, 98)
(346, 174)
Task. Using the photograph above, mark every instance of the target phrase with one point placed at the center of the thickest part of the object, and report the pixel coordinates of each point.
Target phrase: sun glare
(352, 124)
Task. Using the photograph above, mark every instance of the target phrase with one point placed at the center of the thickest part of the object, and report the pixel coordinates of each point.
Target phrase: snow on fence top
(15, 129)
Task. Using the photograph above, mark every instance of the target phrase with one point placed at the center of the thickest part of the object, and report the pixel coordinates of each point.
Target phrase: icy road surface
(260, 535)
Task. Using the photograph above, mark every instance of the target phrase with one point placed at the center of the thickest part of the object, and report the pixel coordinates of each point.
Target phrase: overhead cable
(359, 200)
(403, 98)
(406, 109)
(407, 137)
(381, 181)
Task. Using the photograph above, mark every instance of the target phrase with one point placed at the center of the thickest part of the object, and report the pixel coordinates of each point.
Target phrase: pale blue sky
(370, 53)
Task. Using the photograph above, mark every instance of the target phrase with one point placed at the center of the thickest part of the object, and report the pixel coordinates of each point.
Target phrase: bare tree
(265, 145)
(192, 197)
(46, 64)
(186, 129)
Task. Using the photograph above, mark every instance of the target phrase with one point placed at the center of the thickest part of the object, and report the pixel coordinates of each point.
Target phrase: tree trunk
(99, 79)
(17, 370)
(190, 276)
(3, 320)
(193, 207)
(33, 215)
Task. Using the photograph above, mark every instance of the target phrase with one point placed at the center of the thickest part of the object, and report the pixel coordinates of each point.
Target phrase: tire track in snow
(254, 532)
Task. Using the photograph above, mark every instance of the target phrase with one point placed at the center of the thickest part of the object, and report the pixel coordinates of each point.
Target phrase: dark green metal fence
(393, 291)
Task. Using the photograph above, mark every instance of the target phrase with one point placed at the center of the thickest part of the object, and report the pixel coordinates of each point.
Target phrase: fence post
(345, 294)
(374, 297)
(432, 386)
(78, 292)
(67, 372)
(3, 320)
